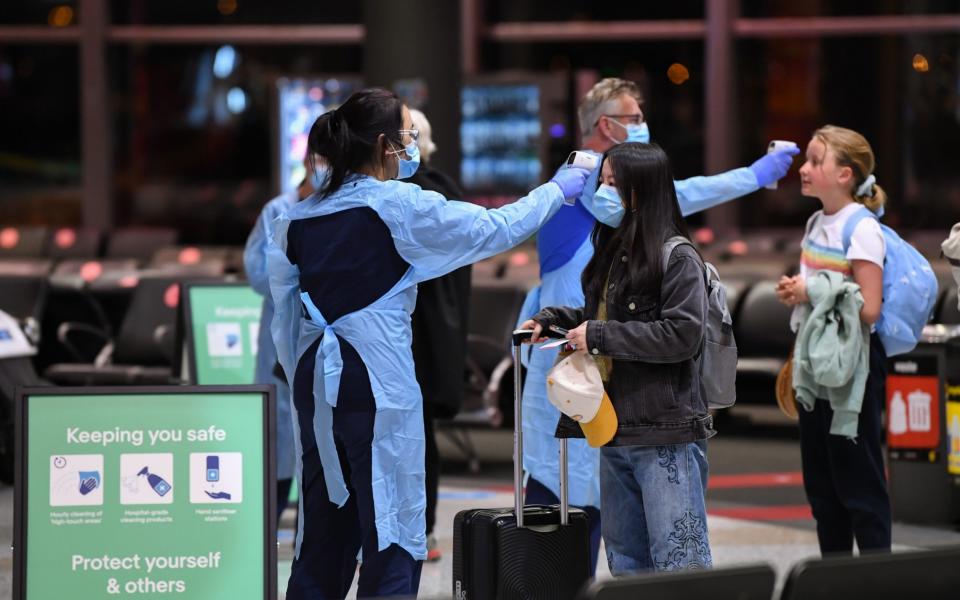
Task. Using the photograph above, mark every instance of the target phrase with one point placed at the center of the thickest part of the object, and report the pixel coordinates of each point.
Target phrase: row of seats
(923, 574)
(80, 286)
(761, 328)
(764, 242)
(90, 339)
(67, 242)
(88, 257)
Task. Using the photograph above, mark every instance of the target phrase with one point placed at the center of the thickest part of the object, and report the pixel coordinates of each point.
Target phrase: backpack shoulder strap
(668, 247)
(851, 225)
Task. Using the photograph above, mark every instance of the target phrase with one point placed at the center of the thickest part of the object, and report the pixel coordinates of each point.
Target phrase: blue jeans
(653, 512)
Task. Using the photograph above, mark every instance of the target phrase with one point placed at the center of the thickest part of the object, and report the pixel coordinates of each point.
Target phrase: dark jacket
(655, 342)
(440, 320)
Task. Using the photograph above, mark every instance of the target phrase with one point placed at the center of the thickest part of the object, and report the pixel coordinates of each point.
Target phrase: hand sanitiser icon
(213, 468)
(159, 484)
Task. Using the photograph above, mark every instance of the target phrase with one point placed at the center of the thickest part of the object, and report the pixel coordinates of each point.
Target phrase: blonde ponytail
(876, 202)
(853, 150)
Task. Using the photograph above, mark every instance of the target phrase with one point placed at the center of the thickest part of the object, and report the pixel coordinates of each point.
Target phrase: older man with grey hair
(609, 114)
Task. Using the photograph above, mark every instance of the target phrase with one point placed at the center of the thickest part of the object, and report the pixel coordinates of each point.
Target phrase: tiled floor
(756, 505)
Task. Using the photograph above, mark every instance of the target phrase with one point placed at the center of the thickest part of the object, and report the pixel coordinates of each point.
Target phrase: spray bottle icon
(159, 484)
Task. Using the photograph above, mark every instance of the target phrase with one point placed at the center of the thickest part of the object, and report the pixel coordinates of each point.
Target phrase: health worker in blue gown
(344, 266)
(609, 114)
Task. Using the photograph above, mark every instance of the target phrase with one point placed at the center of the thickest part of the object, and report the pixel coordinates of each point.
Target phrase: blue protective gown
(564, 249)
(255, 264)
(431, 237)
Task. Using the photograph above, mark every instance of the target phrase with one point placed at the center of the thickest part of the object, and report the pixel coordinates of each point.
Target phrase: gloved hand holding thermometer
(772, 167)
(572, 177)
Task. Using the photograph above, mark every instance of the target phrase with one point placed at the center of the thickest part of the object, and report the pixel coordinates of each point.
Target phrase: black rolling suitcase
(523, 552)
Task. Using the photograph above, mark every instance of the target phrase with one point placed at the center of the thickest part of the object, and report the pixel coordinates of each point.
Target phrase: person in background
(951, 251)
(440, 323)
(267, 368)
(644, 325)
(841, 438)
(609, 115)
(344, 266)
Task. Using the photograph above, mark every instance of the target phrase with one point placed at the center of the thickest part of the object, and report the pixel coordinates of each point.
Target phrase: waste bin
(923, 429)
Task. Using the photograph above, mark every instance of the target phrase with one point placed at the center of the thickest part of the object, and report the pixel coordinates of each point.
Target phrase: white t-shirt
(823, 246)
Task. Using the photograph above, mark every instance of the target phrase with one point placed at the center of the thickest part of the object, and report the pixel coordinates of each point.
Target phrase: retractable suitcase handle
(519, 337)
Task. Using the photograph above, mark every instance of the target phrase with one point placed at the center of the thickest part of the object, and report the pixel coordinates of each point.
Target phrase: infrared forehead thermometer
(582, 159)
(774, 146)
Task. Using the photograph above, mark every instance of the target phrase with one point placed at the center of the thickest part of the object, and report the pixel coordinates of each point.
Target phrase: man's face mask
(635, 132)
(605, 205)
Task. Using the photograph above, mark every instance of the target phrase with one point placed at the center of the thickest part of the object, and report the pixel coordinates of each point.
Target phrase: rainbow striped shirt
(815, 257)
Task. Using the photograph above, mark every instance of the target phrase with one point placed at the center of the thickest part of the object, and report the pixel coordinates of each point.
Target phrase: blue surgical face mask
(635, 132)
(407, 167)
(319, 177)
(605, 205)
(638, 133)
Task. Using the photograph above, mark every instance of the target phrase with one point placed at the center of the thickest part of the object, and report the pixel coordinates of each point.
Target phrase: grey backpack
(718, 357)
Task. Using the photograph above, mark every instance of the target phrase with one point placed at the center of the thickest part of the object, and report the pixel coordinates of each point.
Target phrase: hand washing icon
(159, 484)
(89, 481)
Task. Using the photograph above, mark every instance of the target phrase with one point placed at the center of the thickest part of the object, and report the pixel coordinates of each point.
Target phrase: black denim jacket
(655, 344)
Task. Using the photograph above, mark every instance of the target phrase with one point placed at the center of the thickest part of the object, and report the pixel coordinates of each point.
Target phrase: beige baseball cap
(575, 387)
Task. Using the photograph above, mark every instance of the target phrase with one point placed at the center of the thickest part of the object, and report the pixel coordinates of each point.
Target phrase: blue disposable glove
(771, 167)
(571, 180)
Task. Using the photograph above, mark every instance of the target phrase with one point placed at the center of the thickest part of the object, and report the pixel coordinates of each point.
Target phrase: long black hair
(348, 138)
(645, 183)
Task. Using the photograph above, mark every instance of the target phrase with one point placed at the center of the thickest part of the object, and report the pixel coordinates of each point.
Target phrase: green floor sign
(132, 494)
(223, 321)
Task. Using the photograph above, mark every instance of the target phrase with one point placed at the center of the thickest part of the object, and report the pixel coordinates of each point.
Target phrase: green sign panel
(145, 495)
(223, 322)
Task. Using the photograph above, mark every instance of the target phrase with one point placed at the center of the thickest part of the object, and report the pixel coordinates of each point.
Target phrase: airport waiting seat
(25, 267)
(756, 268)
(70, 242)
(754, 582)
(80, 273)
(140, 243)
(921, 574)
(735, 287)
(144, 349)
(194, 260)
(23, 242)
(24, 295)
(494, 309)
(762, 329)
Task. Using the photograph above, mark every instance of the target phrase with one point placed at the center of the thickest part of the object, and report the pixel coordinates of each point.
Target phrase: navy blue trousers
(333, 536)
(537, 493)
(845, 480)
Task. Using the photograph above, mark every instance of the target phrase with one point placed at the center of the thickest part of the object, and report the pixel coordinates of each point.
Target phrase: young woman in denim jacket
(645, 328)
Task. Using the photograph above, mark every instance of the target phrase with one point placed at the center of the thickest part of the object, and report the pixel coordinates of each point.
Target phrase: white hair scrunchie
(866, 188)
